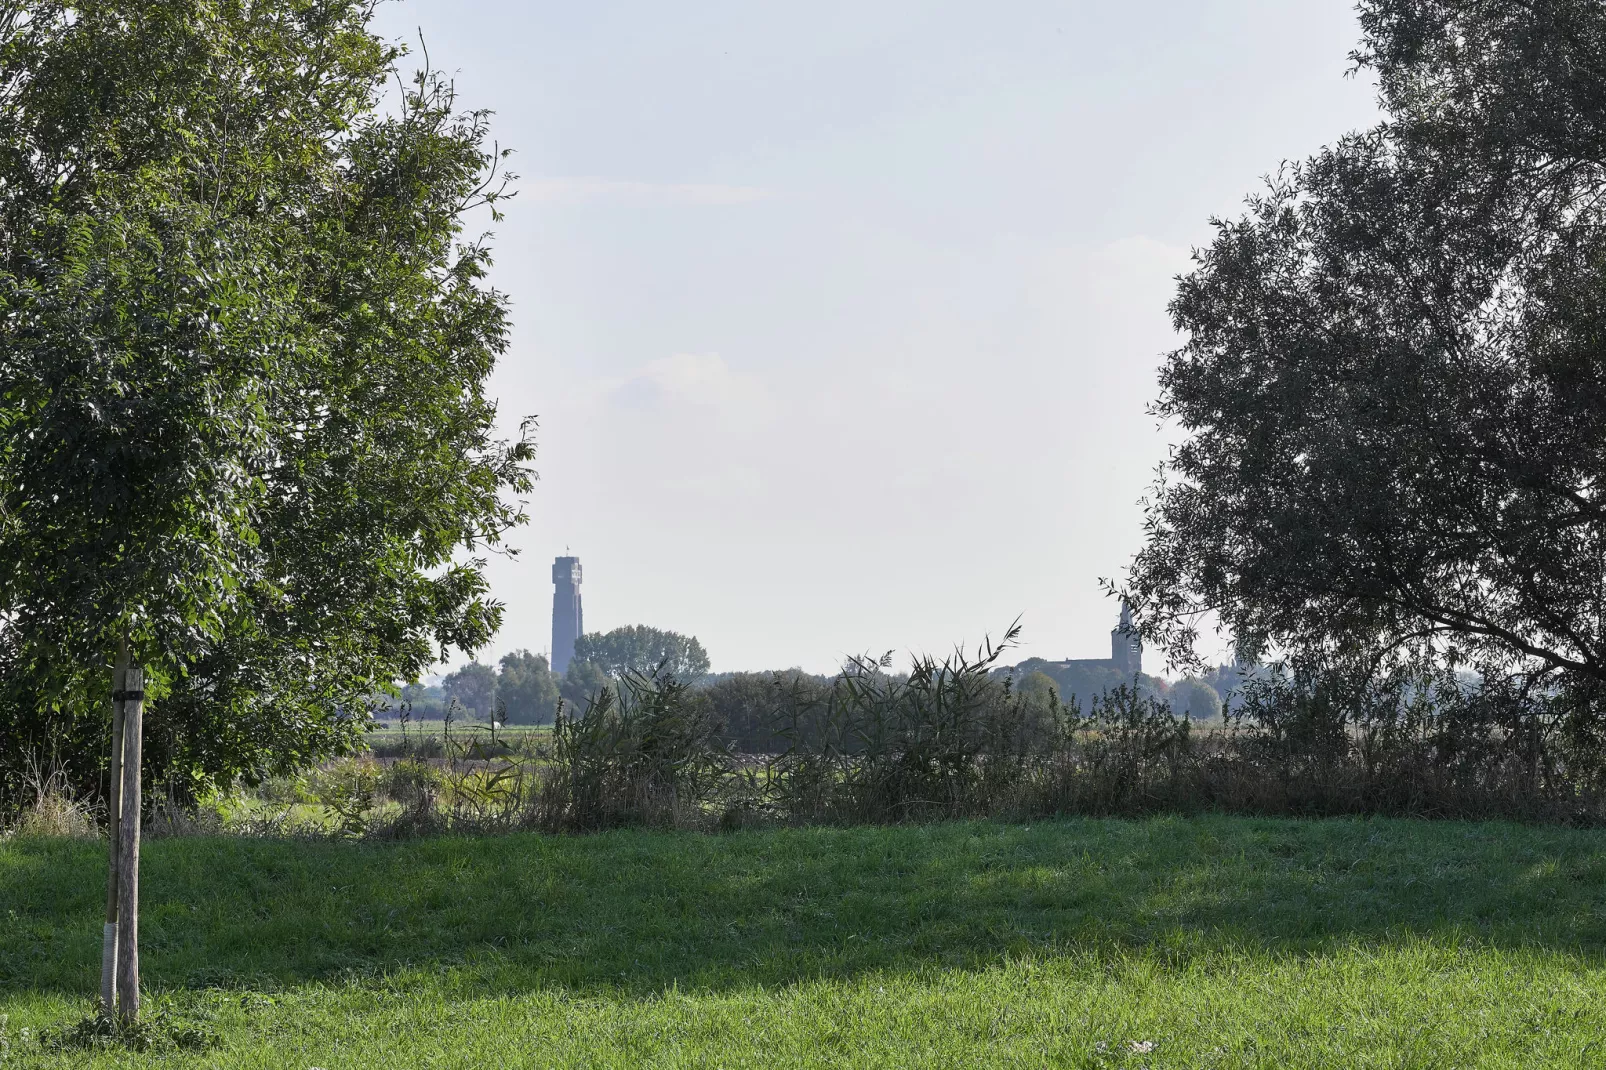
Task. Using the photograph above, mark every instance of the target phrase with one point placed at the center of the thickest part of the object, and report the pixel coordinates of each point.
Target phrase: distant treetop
(639, 648)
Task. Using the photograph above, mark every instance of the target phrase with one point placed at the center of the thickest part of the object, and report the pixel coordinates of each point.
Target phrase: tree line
(522, 688)
(1198, 696)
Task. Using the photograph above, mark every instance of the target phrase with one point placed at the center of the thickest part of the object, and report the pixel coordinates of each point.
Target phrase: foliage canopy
(527, 688)
(639, 648)
(243, 349)
(1392, 389)
(474, 687)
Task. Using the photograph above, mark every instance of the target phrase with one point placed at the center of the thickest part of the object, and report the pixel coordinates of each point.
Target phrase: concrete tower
(1125, 650)
(568, 623)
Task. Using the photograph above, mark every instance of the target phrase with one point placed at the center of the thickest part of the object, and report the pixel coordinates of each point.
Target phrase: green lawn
(1218, 941)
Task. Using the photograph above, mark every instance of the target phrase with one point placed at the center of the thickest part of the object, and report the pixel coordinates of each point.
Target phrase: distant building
(1126, 652)
(568, 621)
(1084, 678)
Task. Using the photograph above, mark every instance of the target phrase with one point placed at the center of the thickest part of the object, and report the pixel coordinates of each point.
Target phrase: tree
(1392, 391)
(582, 682)
(244, 435)
(424, 701)
(474, 688)
(1038, 688)
(528, 687)
(639, 648)
(1196, 699)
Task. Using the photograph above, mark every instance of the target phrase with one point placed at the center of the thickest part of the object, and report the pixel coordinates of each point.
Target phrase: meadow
(1160, 942)
(420, 735)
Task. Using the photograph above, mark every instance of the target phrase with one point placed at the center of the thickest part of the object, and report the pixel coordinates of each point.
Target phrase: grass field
(1161, 943)
(463, 731)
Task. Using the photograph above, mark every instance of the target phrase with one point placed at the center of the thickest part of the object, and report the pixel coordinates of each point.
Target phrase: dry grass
(52, 810)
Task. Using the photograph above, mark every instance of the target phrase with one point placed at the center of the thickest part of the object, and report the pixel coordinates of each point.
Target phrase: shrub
(348, 789)
(639, 753)
(945, 740)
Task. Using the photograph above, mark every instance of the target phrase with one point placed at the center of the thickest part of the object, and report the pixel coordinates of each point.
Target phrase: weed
(348, 789)
(157, 1032)
(53, 809)
(646, 752)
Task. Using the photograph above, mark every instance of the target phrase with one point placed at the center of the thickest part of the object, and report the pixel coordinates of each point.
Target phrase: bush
(412, 783)
(642, 752)
(349, 790)
(751, 709)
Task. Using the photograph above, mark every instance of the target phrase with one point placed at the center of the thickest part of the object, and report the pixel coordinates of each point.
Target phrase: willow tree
(1392, 394)
(244, 434)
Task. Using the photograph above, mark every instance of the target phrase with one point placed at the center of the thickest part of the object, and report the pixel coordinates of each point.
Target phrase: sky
(840, 319)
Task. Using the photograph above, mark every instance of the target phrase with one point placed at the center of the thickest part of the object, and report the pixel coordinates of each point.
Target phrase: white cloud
(579, 190)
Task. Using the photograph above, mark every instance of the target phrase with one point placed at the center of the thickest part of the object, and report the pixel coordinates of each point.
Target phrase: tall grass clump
(1127, 753)
(648, 751)
(950, 738)
(947, 739)
(47, 805)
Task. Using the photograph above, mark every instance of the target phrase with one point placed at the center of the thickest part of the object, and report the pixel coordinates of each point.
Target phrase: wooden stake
(128, 840)
(114, 805)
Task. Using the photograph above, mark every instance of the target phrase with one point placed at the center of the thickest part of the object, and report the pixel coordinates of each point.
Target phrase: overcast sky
(840, 318)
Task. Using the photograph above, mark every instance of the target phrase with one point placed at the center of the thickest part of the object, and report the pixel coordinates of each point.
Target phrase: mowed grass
(1170, 942)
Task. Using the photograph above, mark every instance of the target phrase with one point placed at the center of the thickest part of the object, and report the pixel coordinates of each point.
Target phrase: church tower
(1125, 649)
(568, 622)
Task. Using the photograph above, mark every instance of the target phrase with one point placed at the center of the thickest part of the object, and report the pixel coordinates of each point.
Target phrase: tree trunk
(128, 853)
(114, 805)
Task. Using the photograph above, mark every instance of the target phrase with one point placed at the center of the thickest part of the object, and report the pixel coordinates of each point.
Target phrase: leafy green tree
(1392, 388)
(244, 433)
(528, 687)
(1038, 688)
(638, 648)
(1196, 699)
(474, 688)
(424, 702)
(243, 424)
(582, 681)
(1080, 682)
